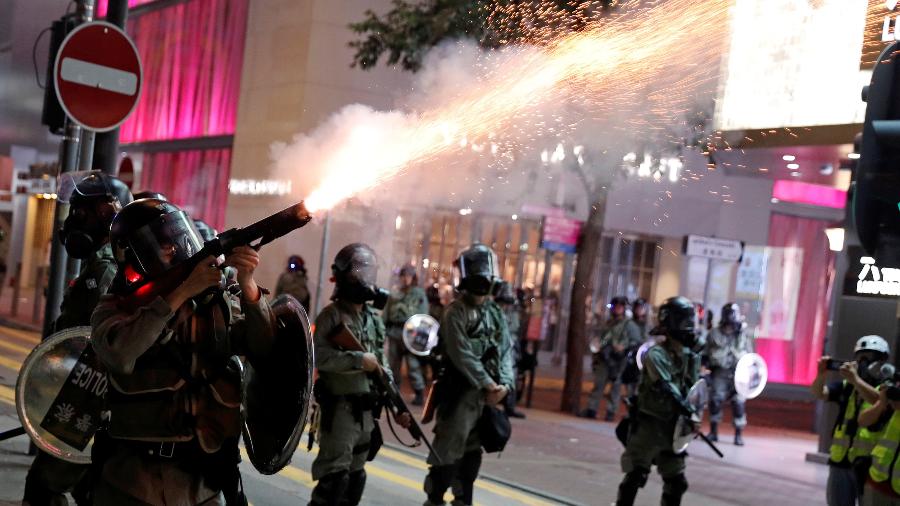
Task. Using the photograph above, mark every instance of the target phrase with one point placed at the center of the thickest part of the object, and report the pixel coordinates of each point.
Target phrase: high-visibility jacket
(866, 437)
(884, 454)
(845, 430)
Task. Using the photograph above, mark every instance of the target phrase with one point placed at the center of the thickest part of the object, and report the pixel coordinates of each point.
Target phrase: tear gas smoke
(623, 78)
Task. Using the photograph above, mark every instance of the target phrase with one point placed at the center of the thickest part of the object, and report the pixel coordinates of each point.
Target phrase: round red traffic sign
(98, 76)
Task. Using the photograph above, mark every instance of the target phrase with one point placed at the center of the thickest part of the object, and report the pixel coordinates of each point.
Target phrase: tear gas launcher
(256, 236)
(387, 390)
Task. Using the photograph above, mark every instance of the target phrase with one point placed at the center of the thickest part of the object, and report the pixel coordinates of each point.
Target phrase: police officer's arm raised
(145, 325)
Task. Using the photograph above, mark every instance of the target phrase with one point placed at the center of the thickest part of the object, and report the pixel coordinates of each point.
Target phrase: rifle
(142, 292)
(344, 338)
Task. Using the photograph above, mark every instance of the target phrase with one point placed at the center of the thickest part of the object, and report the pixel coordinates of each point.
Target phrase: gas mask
(83, 233)
(355, 269)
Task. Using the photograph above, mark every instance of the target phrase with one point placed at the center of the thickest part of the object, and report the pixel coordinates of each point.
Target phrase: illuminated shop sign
(866, 278)
(881, 29)
(259, 187)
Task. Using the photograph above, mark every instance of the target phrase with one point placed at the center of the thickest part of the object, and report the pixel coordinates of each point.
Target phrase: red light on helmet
(131, 275)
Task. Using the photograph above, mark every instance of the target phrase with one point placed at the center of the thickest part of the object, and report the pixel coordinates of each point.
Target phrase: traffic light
(876, 196)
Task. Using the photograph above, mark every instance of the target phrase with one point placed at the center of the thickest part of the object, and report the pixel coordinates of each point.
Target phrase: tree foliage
(406, 32)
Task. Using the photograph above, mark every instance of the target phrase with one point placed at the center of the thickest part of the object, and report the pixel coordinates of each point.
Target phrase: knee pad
(636, 478)
(675, 485)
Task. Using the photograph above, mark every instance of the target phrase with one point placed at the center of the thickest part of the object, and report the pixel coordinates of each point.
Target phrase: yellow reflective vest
(848, 440)
(884, 454)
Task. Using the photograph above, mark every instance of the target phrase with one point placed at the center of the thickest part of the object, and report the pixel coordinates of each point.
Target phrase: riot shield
(60, 394)
(639, 356)
(750, 375)
(697, 397)
(420, 334)
(277, 390)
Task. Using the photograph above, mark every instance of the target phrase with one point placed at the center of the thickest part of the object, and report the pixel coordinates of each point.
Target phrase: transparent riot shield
(750, 375)
(697, 397)
(60, 394)
(420, 334)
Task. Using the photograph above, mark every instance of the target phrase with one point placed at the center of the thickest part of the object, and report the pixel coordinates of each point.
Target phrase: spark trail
(613, 67)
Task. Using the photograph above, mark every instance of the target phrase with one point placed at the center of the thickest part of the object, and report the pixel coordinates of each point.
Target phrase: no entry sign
(98, 76)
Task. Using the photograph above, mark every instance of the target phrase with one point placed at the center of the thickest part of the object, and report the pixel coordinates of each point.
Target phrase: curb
(499, 481)
(5, 322)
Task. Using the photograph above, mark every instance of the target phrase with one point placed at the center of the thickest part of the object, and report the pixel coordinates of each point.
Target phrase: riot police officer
(725, 345)
(616, 339)
(346, 396)
(670, 369)
(407, 301)
(293, 281)
(508, 303)
(175, 388)
(95, 201)
(475, 347)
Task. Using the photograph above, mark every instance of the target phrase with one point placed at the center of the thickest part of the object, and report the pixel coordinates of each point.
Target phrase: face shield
(477, 270)
(165, 242)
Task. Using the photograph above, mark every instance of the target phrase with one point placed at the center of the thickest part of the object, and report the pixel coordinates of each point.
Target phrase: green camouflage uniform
(346, 429)
(399, 308)
(48, 476)
(476, 349)
(607, 365)
(294, 283)
(657, 411)
(724, 349)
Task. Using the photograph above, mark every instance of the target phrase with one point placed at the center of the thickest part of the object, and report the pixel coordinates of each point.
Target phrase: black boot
(738, 439)
(627, 494)
(330, 489)
(357, 482)
(674, 488)
(713, 431)
(419, 399)
(438, 481)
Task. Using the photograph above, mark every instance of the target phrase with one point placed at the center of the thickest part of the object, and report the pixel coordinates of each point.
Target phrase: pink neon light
(102, 5)
(807, 193)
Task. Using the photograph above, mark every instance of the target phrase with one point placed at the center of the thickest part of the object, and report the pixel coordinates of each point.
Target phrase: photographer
(883, 423)
(849, 443)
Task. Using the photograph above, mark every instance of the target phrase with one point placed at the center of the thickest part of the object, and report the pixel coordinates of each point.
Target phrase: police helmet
(150, 195)
(296, 263)
(505, 294)
(618, 300)
(731, 315)
(477, 270)
(677, 320)
(94, 201)
(355, 271)
(156, 235)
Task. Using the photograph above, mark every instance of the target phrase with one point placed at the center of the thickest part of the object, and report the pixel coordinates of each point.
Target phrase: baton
(11, 433)
(710, 444)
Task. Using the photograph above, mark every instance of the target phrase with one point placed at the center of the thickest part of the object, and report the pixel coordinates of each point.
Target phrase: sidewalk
(24, 317)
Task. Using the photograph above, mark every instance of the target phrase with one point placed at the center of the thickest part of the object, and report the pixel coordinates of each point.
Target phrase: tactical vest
(884, 454)
(182, 386)
(486, 336)
(845, 432)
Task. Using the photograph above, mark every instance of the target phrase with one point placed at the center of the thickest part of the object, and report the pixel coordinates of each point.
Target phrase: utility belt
(359, 404)
(219, 469)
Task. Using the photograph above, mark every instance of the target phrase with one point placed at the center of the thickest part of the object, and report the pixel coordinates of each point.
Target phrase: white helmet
(872, 343)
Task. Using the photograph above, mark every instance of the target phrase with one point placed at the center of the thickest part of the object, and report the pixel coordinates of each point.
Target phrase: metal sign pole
(69, 151)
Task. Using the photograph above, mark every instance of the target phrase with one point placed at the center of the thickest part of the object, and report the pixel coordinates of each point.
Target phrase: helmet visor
(165, 242)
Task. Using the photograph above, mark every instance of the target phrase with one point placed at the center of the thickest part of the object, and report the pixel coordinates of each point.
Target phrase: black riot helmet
(355, 270)
(149, 194)
(677, 320)
(477, 270)
(94, 202)
(207, 233)
(155, 235)
(731, 315)
(296, 263)
(640, 309)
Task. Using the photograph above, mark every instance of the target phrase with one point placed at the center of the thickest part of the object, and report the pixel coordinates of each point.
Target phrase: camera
(834, 364)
